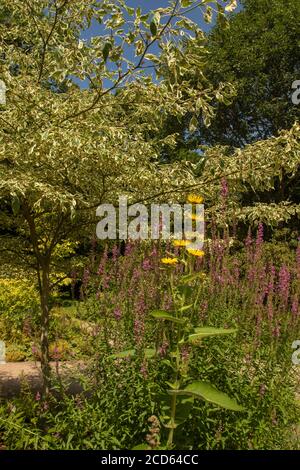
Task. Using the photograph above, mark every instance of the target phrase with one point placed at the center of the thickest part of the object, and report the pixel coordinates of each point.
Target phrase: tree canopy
(65, 150)
(259, 53)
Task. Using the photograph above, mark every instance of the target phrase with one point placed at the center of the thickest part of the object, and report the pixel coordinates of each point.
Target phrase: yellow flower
(197, 217)
(198, 253)
(169, 261)
(194, 236)
(181, 242)
(194, 199)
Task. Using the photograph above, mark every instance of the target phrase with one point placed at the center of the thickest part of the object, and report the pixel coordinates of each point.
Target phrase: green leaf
(193, 124)
(153, 28)
(187, 291)
(156, 18)
(132, 352)
(211, 330)
(168, 363)
(209, 393)
(174, 385)
(183, 408)
(128, 353)
(150, 353)
(141, 447)
(191, 277)
(129, 10)
(186, 3)
(185, 307)
(206, 331)
(208, 16)
(15, 204)
(231, 6)
(163, 315)
(152, 57)
(154, 23)
(144, 18)
(106, 50)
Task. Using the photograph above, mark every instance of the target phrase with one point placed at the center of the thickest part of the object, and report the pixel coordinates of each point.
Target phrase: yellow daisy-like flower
(194, 236)
(194, 199)
(169, 261)
(197, 217)
(198, 253)
(181, 242)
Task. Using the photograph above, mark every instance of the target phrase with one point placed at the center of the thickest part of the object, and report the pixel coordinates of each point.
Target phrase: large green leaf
(191, 277)
(209, 393)
(141, 447)
(185, 307)
(132, 352)
(206, 331)
(183, 409)
(150, 353)
(185, 290)
(128, 353)
(163, 315)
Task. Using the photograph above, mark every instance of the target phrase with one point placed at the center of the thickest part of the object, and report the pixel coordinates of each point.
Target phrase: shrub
(19, 309)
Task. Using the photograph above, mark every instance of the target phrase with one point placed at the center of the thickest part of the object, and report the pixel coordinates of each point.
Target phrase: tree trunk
(44, 294)
(43, 268)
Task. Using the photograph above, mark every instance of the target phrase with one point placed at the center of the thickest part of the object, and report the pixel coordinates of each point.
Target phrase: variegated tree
(64, 150)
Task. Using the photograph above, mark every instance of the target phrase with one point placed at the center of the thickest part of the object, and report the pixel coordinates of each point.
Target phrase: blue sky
(146, 6)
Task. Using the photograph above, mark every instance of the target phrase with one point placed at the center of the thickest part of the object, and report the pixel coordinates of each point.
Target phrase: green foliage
(252, 177)
(270, 416)
(16, 352)
(258, 52)
(104, 420)
(19, 309)
(179, 355)
(209, 393)
(65, 150)
(153, 360)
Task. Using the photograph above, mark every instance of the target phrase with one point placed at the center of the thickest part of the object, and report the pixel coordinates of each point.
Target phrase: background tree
(259, 53)
(257, 50)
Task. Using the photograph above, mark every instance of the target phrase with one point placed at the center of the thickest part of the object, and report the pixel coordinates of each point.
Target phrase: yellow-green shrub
(19, 309)
(15, 352)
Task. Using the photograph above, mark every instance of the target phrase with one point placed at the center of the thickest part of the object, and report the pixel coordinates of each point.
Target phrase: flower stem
(173, 414)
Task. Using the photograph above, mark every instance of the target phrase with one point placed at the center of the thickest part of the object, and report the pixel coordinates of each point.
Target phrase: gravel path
(13, 374)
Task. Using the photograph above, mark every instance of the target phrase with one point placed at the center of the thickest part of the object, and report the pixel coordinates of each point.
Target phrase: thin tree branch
(57, 11)
(131, 71)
